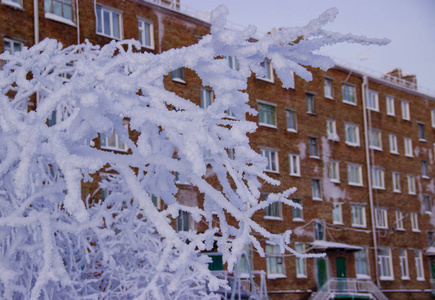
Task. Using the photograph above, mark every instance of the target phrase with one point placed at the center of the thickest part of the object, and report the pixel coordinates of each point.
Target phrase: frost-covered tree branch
(54, 244)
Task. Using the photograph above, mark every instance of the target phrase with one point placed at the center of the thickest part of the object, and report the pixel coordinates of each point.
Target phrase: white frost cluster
(53, 244)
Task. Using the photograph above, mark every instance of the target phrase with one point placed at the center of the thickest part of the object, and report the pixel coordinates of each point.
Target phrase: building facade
(359, 149)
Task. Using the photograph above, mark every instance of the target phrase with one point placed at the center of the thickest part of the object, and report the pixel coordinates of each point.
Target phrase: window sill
(295, 175)
(400, 229)
(301, 276)
(383, 278)
(275, 276)
(179, 80)
(273, 218)
(359, 226)
(299, 220)
(338, 223)
(292, 130)
(266, 79)
(317, 199)
(148, 47)
(314, 157)
(350, 103)
(267, 125)
(408, 155)
(12, 4)
(427, 212)
(352, 144)
(425, 177)
(379, 188)
(329, 97)
(373, 109)
(335, 180)
(421, 279)
(394, 152)
(397, 191)
(60, 19)
(416, 230)
(355, 184)
(406, 278)
(412, 193)
(311, 113)
(270, 171)
(362, 276)
(376, 148)
(379, 227)
(182, 183)
(422, 140)
(108, 36)
(391, 115)
(114, 149)
(334, 138)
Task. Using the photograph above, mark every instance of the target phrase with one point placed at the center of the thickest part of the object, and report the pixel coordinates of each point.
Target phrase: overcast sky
(409, 24)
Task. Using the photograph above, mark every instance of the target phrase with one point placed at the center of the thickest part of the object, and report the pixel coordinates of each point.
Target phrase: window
(349, 94)
(399, 220)
(146, 34)
(233, 62)
(268, 76)
(297, 212)
(207, 97)
(310, 104)
(381, 218)
(301, 268)
(315, 189)
(337, 213)
(294, 165)
(354, 174)
(334, 171)
(313, 147)
(274, 261)
(421, 133)
(178, 75)
(390, 106)
(373, 101)
(12, 46)
(403, 258)
(411, 184)
(375, 139)
(59, 8)
(424, 169)
(419, 264)
(272, 159)
(331, 130)
(430, 236)
(184, 221)
(327, 88)
(266, 114)
(157, 201)
(378, 178)
(358, 215)
(14, 3)
(427, 204)
(385, 264)
(414, 222)
(405, 111)
(290, 116)
(432, 114)
(108, 184)
(319, 231)
(393, 144)
(351, 134)
(109, 22)
(396, 182)
(408, 147)
(113, 142)
(361, 264)
(273, 211)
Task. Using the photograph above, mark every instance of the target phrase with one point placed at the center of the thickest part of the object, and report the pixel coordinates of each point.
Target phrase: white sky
(409, 24)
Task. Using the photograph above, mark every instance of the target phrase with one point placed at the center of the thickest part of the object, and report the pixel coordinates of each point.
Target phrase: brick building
(359, 149)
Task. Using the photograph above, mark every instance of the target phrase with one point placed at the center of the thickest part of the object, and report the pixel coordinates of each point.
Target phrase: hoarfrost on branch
(53, 244)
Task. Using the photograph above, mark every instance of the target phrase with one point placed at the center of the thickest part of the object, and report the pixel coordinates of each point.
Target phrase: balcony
(338, 288)
(242, 285)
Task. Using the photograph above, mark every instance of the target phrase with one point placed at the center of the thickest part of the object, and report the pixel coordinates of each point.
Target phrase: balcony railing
(432, 286)
(349, 287)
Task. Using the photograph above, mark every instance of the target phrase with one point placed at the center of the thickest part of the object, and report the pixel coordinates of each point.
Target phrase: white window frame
(427, 202)
(310, 103)
(233, 63)
(295, 167)
(146, 29)
(362, 260)
(354, 171)
(13, 43)
(291, 126)
(373, 101)
(272, 159)
(406, 113)
(421, 132)
(351, 88)
(337, 213)
(396, 182)
(375, 139)
(432, 116)
(411, 184)
(390, 106)
(319, 231)
(408, 147)
(424, 169)
(399, 220)
(393, 143)
(16, 4)
(178, 76)
(403, 260)
(328, 90)
(419, 270)
(352, 139)
(301, 265)
(334, 171)
(385, 264)
(111, 12)
(414, 222)
(50, 14)
(331, 130)
(274, 261)
(316, 190)
(313, 147)
(267, 65)
(297, 213)
(207, 97)
(119, 145)
(269, 114)
(273, 211)
(381, 217)
(358, 216)
(378, 178)
(181, 221)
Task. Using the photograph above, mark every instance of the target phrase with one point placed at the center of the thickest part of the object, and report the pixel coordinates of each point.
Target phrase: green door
(340, 263)
(322, 273)
(432, 269)
(217, 263)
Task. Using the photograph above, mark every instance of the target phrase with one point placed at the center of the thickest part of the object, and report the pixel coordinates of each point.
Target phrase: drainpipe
(369, 175)
(78, 22)
(36, 20)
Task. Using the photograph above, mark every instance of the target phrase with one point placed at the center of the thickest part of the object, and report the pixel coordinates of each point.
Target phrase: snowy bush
(54, 244)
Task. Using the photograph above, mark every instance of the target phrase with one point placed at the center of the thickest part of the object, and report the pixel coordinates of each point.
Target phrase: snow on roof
(325, 245)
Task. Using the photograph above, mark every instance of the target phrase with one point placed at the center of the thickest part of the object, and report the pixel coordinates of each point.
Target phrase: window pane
(115, 20)
(106, 22)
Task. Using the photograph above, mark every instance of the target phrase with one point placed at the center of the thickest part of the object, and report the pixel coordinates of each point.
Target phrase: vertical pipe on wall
(77, 22)
(36, 20)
